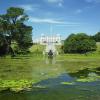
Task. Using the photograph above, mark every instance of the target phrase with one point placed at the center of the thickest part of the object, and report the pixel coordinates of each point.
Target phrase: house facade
(54, 39)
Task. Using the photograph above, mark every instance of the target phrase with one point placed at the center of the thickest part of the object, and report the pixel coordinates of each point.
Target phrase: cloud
(69, 24)
(54, 1)
(57, 2)
(45, 20)
(60, 4)
(29, 7)
(52, 21)
(78, 11)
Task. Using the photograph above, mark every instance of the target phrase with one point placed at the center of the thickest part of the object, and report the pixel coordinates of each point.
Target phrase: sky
(59, 16)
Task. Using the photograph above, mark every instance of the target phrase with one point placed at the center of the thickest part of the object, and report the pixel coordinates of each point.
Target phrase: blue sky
(63, 16)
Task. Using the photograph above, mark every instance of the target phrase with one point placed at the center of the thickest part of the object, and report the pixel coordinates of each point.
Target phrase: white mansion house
(55, 39)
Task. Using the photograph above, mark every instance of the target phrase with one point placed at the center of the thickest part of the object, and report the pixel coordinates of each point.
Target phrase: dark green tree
(79, 43)
(13, 29)
(24, 37)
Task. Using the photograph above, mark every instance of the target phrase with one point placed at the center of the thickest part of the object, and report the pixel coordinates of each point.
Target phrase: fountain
(50, 53)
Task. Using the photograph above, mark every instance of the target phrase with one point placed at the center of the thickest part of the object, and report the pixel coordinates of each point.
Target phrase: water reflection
(50, 59)
(53, 82)
(69, 77)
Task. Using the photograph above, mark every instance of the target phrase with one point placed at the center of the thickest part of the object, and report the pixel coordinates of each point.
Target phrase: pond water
(55, 80)
(63, 87)
(62, 92)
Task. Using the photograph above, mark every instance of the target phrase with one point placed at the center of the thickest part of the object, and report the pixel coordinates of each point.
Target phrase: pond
(51, 81)
(64, 87)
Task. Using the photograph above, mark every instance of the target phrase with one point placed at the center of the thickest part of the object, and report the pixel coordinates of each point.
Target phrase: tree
(3, 38)
(13, 28)
(24, 37)
(79, 43)
(96, 37)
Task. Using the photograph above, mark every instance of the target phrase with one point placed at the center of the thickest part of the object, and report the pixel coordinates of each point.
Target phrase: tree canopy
(79, 43)
(14, 30)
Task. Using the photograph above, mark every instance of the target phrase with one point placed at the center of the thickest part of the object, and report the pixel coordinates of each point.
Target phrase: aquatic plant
(91, 77)
(67, 83)
(16, 85)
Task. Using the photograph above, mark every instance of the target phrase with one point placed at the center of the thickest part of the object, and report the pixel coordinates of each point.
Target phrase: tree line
(15, 35)
(81, 43)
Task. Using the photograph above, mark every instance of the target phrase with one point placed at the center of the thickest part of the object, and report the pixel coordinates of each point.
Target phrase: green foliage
(13, 28)
(16, 85)
(79, 43)
(91, 77)
(37, 49)
(96, 37)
